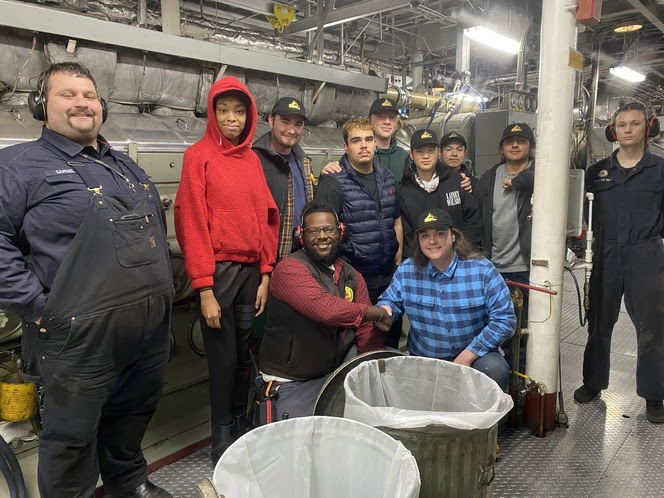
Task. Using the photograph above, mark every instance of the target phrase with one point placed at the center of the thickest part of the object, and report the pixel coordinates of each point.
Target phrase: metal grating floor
(609, 449)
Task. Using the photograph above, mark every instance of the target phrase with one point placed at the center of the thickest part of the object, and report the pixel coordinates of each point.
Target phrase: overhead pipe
(555, 104)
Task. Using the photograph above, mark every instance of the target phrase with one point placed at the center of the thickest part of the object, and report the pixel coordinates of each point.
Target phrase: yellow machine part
(18, 400)
(283, 16)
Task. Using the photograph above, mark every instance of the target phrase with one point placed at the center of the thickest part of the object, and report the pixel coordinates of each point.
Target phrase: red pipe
(531, 287)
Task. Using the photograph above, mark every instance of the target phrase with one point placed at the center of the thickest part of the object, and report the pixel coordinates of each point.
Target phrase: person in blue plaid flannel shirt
(458, 304)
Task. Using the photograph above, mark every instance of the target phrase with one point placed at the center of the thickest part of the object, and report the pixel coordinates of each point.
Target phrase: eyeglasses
(315, 231)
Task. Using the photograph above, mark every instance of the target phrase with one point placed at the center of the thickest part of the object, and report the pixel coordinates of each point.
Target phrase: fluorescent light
(630, 28)
(627, 74)
(493, 39)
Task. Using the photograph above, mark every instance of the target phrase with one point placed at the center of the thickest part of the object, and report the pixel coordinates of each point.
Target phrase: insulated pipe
(412, 100)
(554, 120)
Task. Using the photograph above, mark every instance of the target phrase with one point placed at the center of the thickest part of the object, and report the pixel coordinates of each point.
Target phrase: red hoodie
(224, 210)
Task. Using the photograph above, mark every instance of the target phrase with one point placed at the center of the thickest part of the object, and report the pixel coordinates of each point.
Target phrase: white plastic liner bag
(413, 391)
(317, 457)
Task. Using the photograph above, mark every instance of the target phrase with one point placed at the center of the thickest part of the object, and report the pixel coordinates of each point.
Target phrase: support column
(170, 17)
(417, 70)
(554, 123)
(462, 51)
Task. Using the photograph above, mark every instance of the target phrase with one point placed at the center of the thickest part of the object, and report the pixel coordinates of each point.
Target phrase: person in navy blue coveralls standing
(628, 258)
(84, 261)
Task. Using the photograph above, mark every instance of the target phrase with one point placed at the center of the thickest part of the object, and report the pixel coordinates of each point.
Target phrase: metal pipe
(342, 43)
(142, 13)
(412, 100)
(556, 98)
(417, 70)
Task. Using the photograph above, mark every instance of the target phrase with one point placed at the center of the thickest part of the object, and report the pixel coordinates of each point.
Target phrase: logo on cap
(603, 174)
(425, 134)
(453, 135)
(430, 217)
(386, 103)
(294, 105)
(516, 128)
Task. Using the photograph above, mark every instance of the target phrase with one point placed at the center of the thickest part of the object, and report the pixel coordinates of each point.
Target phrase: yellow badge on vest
(603, 174)
(350, 295)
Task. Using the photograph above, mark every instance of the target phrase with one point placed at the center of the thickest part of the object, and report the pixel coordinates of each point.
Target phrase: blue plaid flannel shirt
(467, 306)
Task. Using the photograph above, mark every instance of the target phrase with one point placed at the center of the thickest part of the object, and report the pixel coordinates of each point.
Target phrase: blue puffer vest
(371, 243)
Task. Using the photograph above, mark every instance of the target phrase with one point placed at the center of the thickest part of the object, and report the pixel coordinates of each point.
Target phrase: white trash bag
(413, 391)
(317, 457)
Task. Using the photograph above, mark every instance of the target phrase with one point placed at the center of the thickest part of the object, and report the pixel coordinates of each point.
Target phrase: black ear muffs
(37, 106)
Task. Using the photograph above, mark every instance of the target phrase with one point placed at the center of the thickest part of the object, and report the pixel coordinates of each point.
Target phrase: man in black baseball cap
(442, 271)
(505, 193)
(453, 150)
(287, 168)
(384, 117)
(428, 184)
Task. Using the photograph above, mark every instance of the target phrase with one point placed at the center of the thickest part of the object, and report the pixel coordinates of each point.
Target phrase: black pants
(227, 348)
(103, 377)
(637, 272)
(376, 285)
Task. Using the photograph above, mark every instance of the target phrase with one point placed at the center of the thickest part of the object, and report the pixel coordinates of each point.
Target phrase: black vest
(298, 348)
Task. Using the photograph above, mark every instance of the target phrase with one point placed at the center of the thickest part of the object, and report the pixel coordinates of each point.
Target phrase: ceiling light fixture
(628, 74)
(492, 39)
(630, 28)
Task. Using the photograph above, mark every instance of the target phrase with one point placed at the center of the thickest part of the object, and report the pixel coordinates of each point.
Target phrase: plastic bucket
(317, 457)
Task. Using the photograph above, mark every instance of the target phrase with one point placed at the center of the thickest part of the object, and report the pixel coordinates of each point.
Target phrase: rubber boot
(222, 437)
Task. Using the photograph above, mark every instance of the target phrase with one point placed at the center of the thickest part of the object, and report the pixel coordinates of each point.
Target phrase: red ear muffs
(652, 127)
(610, 133)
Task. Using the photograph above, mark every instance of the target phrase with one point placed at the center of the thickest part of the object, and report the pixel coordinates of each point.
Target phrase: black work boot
(655, 411)
(242, 424)
(585, 394)
(222, 437)
(145, 490)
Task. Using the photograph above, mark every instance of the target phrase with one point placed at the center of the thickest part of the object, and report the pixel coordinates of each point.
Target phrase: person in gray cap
(453, 150)
(287, 169)
(384, 118)
(458, 305)
(504, 195)
(429, 184)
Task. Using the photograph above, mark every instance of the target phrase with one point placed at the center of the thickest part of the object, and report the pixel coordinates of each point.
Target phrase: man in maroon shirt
(320, 315)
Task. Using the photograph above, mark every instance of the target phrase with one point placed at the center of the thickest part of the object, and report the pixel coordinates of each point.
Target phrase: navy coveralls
(93, 264)
(628, 260)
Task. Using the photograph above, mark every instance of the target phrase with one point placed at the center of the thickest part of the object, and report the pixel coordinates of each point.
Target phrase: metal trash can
(317, 457)
(445, 414)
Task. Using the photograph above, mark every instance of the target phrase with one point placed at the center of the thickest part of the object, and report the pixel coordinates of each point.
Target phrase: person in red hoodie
(227, 225)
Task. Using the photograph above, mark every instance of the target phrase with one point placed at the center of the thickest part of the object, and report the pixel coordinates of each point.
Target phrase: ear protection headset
(652, 123)
(37, 102)
(299, 231)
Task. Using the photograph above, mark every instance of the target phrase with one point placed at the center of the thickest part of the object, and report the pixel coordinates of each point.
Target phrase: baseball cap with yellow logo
(434, 218)
(288, 105)
(382, 105)
(518, 130)
(423, 137)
